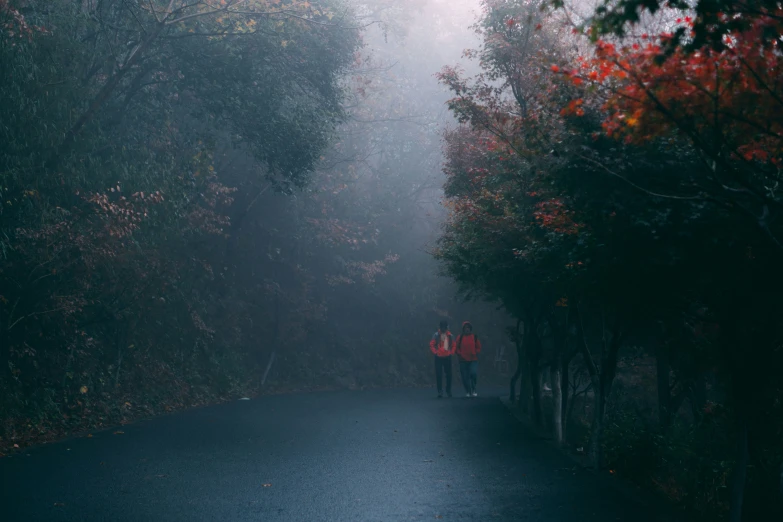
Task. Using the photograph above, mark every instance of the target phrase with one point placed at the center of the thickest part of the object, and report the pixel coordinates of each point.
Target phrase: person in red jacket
(442, 347)
(468, 348)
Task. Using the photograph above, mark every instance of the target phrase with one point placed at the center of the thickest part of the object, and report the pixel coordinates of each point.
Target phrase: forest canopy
(199, 199)
(118, 119)
(211, 199)
(614, 182)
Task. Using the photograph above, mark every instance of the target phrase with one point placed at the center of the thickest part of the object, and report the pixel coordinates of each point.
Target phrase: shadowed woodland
(208, 200)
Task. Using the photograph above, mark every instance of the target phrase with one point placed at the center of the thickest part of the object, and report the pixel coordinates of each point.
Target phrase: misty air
(391, 260)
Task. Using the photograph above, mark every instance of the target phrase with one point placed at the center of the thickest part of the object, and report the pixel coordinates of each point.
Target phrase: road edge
(664, 510)
(22, 447)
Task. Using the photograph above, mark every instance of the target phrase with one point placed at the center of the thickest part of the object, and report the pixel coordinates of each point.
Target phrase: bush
(690, 464)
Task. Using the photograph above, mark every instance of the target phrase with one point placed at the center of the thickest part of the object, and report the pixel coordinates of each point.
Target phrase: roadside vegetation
(614, 183)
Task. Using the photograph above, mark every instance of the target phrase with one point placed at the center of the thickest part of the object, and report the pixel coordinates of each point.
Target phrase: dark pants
(468, 370)
(443, 365)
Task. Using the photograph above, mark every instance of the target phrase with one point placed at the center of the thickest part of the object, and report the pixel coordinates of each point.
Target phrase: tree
(724, 101)
(713, 20)
(115, 203)
(547, 210)
(727, 103)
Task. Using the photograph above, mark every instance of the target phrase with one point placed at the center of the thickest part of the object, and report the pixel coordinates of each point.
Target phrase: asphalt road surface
(334, 456)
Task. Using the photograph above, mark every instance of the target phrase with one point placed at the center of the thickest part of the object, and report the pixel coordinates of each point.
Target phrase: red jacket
(438, 344)
(468, 347)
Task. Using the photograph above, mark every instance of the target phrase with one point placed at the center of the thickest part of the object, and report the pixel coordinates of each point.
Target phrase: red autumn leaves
(553, 214)
(726, 104)
(729, 98)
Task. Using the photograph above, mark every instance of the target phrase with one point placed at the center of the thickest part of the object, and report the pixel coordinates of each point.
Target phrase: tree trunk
(571, 401)
(268, 367)
(740, 472)
(558, 374)
(520, 366)
(556, 377)
(781, 483)
(565, 379)
(606, 378)
(532, 354)
(698, 396)
(663, 370)
(5, 352)
(599, 414)
(525, 388)
(742, 390)
(602, 379)
(532, 385)
(597, 427)
(512, 385)
(535, 382)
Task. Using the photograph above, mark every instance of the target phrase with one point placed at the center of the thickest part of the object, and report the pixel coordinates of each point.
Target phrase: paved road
(335, 456)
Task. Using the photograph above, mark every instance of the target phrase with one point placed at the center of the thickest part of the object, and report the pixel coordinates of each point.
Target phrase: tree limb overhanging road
(358, 456)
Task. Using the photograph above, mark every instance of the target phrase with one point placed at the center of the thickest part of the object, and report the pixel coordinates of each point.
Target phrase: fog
(262, 224)
(361, 233)
(245, 243)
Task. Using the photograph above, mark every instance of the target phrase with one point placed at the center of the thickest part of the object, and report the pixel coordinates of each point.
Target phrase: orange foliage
(730, 98)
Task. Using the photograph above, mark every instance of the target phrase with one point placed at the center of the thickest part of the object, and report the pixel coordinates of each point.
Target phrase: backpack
(459, 341)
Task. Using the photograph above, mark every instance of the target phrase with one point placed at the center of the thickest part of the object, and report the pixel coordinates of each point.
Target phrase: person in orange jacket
(468, 348)
(442, 347)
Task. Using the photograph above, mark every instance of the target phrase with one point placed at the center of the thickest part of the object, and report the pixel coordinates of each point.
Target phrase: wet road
(334, 456)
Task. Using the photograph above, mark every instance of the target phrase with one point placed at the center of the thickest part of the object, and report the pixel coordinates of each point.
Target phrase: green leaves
(128, 133)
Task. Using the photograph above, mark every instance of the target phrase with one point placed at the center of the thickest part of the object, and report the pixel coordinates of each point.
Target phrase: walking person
(468, 348)
(442, 347)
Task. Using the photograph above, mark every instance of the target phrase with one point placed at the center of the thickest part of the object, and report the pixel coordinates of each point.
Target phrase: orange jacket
(468, 347)
(438, 344)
